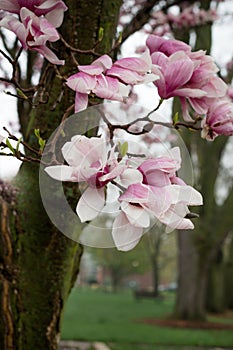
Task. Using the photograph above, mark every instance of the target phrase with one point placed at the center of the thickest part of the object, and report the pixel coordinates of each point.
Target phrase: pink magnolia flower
(88, 161)
(91, 78)
(175, 72)
(161, 195)
(204, 77)
(189, 75)
(134, 70)
(219, 120)
(53, 10)
(167, 46)
(33, 33)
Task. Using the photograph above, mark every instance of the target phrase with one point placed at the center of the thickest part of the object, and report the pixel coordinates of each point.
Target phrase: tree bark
(38, 264)
(192, 280)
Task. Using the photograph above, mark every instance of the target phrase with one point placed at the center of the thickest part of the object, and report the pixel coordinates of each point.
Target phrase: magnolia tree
(107, 150)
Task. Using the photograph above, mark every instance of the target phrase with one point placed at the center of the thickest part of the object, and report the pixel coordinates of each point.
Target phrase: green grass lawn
(115, 318)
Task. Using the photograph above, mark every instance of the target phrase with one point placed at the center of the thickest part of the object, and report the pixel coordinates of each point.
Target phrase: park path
(76, 345)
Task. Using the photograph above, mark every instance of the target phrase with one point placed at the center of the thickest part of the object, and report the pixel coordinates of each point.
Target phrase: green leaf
(101, 34)
(40, 140)
(119, 39)
(21, 94)
(42, 144)
(18, 143)
(9, 145)
(176, 118)
(37, 133)
(123, 148)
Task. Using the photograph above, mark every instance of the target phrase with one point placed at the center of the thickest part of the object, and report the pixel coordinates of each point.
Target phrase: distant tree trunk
(228, 280)
(153, 241)
(38, 264)
(155, 279)
(193, 271)
(215, 301)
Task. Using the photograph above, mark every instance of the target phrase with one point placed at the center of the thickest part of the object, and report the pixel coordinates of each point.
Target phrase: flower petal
(130, 176)
(90, 204)
(136, 215)
(125, 235)
(81, 102)
(61, 172)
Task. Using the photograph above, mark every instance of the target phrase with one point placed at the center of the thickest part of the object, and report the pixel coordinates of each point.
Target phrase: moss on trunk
(38, 264)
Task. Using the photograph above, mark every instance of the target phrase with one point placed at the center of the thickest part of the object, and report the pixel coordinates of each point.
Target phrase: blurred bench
(145, 294)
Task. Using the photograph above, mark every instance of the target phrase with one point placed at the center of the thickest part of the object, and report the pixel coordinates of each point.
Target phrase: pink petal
(134, 64)
(61, 172)
(189, 92)
(56, 16)
(49, 55)
(104, 61)
(136, 215)
(130, 176)
(81, 102)
(10, 6)
(178, 73)
(91, 69)
(136, 193)
(167, 46)
(81, 82)
(90, 204)
(125, 75)
(215, 87)
(12, 23)
(109, 88)
(125, 235)
(175, 218)
(185, 194)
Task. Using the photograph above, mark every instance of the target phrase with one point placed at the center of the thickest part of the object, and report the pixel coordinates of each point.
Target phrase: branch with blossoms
(149, 188)
(150, 191)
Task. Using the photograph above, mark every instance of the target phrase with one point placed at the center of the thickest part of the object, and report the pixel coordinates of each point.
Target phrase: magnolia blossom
(33, 33)
(107, 80)
(151, 191)
(189, 75)
(88, 161)
(160, 195)
(134, 70)
(53, 10)
(91, 78)
(167, 46)
(175, 72)
(219, 120)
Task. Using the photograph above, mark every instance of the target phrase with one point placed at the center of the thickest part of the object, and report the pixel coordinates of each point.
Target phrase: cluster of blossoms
(174, 69)
(110, 80)
(151, 190)
(35, 23)
(191, 16)
(192, 77)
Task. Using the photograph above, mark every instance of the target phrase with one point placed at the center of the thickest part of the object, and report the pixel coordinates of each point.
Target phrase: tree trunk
(192, 280)
(155, 279)
(228, 273)
(38, 264)
(216, 287)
